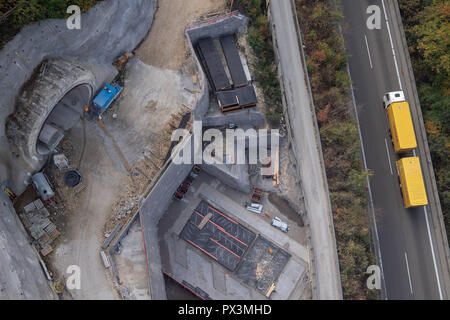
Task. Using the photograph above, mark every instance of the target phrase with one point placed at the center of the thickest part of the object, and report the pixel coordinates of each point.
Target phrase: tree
(433, 36)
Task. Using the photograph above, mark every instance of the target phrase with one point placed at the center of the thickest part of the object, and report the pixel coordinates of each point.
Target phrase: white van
(277, 223)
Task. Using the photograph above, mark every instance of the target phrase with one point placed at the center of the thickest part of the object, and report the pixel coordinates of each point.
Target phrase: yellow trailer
(402, 129)
(411, 180)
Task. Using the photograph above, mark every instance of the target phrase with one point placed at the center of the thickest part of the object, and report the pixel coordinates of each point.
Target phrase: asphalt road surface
(403, 235)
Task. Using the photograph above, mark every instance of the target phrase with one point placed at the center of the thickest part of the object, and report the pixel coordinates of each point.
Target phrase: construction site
(87, 171)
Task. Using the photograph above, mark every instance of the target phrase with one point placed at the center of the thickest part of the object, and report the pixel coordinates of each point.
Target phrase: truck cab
(391, 97)
(400, 122)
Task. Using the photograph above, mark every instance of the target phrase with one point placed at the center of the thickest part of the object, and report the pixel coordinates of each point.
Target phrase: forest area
(427, 29)
(16, 14)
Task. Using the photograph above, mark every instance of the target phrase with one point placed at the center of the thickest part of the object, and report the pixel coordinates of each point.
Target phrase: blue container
(104, 99)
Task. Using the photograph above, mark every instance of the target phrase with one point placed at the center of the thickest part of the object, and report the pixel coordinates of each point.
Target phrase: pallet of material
(45, 251)
(212, 64)
(233, 61)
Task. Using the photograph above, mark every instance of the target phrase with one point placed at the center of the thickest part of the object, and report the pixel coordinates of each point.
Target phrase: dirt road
(85, 219)
(165, 46)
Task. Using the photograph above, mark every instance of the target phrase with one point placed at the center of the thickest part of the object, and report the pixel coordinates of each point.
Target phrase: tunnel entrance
(64, 116)
(50, 104)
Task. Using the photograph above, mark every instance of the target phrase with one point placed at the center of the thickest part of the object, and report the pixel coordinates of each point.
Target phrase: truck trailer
(400, 122)
(411, 182)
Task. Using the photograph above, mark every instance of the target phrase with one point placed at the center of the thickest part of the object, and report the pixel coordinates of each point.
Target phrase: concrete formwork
(225, 25)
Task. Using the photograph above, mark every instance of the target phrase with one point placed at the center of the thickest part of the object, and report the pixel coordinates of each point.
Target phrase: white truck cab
(391, 97)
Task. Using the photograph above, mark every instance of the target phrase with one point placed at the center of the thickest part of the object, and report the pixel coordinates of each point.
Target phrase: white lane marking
(409, 274)
(392, 47)
(389, 157)
(432, 252)
(368, 185)
(368, 52)
(414, 153)
(384, 9)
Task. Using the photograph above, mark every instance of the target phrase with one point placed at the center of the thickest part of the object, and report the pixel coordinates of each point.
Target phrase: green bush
(30, 11)
(260, 40)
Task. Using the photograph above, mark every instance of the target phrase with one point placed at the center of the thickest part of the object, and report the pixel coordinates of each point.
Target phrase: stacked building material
(41, 229)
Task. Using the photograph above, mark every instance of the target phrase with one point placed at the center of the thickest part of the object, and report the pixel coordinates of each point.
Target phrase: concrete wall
(152, 208)
(21, 276)
(249, 117)
(305, 140)
(225, 25)
(235, 176)
(108, 30)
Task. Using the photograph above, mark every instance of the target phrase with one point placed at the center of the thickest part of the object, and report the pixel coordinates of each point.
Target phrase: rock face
(21, 276)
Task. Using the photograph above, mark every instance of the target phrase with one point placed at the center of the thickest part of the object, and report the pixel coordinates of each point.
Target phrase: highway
(404, 240)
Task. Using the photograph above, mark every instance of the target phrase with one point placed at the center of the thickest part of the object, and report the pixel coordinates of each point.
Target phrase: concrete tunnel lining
(64, 116)
(55, 95)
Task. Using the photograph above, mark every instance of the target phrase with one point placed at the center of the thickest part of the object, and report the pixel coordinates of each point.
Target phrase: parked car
(255, 207)
(277, 223)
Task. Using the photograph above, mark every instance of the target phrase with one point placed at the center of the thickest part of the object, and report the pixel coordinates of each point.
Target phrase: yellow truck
(411, 181)
(400, 121)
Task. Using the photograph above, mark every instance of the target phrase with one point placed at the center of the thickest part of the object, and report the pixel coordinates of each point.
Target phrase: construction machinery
(104, 99)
